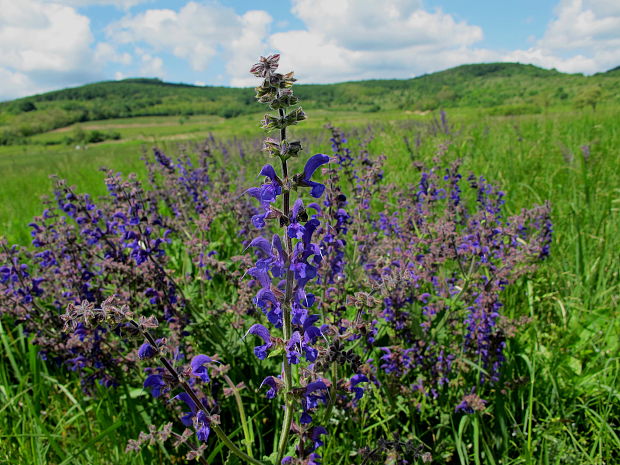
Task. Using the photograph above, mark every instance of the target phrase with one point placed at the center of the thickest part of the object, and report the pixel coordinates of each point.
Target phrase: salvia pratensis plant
(350, 292)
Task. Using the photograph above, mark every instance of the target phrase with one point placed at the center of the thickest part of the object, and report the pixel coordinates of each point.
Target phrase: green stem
(234, 449)
(332, 395)
(244, 422)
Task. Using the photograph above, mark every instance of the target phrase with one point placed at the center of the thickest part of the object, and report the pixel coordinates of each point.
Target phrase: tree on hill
(589, 96)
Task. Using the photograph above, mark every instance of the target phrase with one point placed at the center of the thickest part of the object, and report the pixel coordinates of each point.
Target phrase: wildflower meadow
(436, 290)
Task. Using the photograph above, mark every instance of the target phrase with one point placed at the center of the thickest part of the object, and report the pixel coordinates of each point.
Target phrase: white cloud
(196, 33)
(42, 36)
(121, 4)
(351, 40)
(245, 49)
(584, 37)
(43, 45)
(105, 52)
(152, 66)
(367, 25)
(15, 84)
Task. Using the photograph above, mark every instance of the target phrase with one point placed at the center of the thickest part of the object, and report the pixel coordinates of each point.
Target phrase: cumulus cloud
(121, 4)
(584, 37)
(152, 66)
(368, 25)
(197, 32)
(14, 84)
(341, 40)
(44, 45)
(40, 36)
(105, 52)
(247, 47)
(360, 39)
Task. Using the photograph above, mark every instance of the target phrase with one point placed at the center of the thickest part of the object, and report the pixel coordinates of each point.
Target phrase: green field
(26, 168)
(570, 347)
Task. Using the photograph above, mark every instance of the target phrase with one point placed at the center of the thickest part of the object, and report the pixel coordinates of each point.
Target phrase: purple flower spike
(199, 369)
(312, 164)
(262, 332)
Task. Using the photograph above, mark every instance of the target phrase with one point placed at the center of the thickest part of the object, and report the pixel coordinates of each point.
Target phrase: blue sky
(50, 44)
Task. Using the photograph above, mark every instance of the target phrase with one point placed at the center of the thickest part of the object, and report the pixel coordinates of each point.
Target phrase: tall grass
(565, 410)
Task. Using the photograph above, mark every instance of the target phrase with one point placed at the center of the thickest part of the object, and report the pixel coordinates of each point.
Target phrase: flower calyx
(271, 122)
(284, 150)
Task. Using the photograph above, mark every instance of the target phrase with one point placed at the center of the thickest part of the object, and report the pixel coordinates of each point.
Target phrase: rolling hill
(501, 88)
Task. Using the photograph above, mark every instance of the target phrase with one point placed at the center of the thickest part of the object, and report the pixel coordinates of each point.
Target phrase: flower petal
(313, 163)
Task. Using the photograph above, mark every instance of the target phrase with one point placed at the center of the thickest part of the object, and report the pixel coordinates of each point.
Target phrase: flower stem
(286, 323)
(244, 422)
(190, 392)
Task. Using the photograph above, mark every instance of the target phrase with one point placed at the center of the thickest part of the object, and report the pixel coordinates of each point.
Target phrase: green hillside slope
(503, 88)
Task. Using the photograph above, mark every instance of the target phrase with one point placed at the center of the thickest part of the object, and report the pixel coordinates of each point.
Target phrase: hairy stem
(286, 324)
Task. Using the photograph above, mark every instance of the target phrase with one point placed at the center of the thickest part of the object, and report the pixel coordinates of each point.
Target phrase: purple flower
(292, 345)
(355, 380)
(315, 392)
(315, 436)
(296, 229)
(471, 403)
(155, 383)
(262, 332)
(272, 256)
(270, 305)
(274, 385)
(202, 426)
(198, 367)
(316, 188)
(146, 351)
(187, 417)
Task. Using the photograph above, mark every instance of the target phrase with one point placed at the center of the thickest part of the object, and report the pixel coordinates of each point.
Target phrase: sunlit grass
(566, 410)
